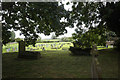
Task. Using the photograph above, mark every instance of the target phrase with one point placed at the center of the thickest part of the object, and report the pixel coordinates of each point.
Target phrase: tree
(90, 29)
(87, 39)
(53, 36)
(90, 15)
(111, 36)
(64, 39)
(110, 13)
(38, 39)
(32, 18)
(12, 38)
(67, 39)
(99, 13)
(18, 39)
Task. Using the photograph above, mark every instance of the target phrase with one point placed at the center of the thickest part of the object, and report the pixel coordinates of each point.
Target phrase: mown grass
(59, 64)
(103, 47)
(108, 59)
(53, 64)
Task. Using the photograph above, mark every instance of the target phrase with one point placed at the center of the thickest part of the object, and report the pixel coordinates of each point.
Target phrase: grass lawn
(103, 47)
(108, 59)
(58, 64)
(53, 64)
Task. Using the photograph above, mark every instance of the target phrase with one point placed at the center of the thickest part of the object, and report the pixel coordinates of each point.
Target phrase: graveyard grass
(59, 64)
(53, 64)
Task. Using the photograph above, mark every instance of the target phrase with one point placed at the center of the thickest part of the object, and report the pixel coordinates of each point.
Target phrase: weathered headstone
(31, 49)
(13, 49)
(27, 54)
(27, 48)
(39, 45)
(47, 45)
(16, 48)
(7, 50)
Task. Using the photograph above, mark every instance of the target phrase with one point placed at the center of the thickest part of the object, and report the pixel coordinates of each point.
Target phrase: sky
(69, 33)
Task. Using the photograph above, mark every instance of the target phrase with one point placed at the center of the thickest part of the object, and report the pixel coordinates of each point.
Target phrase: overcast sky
(69, 30)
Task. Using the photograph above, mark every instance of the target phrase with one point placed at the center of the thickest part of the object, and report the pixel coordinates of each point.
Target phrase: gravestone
(13, 49)
(27, 54)
(31, 49)
(28, 48)
(47, 45)
(16, 48)
(7, 50)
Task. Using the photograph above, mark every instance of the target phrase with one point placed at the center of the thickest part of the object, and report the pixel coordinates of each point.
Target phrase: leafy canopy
(32, 18)
(93, 21)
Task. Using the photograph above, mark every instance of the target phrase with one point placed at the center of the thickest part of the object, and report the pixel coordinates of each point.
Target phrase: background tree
(12, 38)
(87, 39)
(38, 39)
(90, 15)
(53, 36)
(32, 18)
(110, 13)
(64, 39)
(111, 36)
(18, 39)
(90, 29)
(67, 39)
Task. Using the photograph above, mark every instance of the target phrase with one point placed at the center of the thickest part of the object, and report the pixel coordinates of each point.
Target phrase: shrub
(117, 45)
(80, 51)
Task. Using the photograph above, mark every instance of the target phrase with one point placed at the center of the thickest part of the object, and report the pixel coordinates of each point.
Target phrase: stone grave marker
(27, 54)
(16, 48)
(13, 49)
(47, 45)
(7, 50)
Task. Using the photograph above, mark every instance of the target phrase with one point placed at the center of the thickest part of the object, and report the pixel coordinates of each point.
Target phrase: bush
(117, 45)
(80, 51)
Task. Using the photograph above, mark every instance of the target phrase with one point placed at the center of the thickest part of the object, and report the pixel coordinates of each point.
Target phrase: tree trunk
(21, 48)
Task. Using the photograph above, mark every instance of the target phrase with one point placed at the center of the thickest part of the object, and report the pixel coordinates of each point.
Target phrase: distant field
(13, 47)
